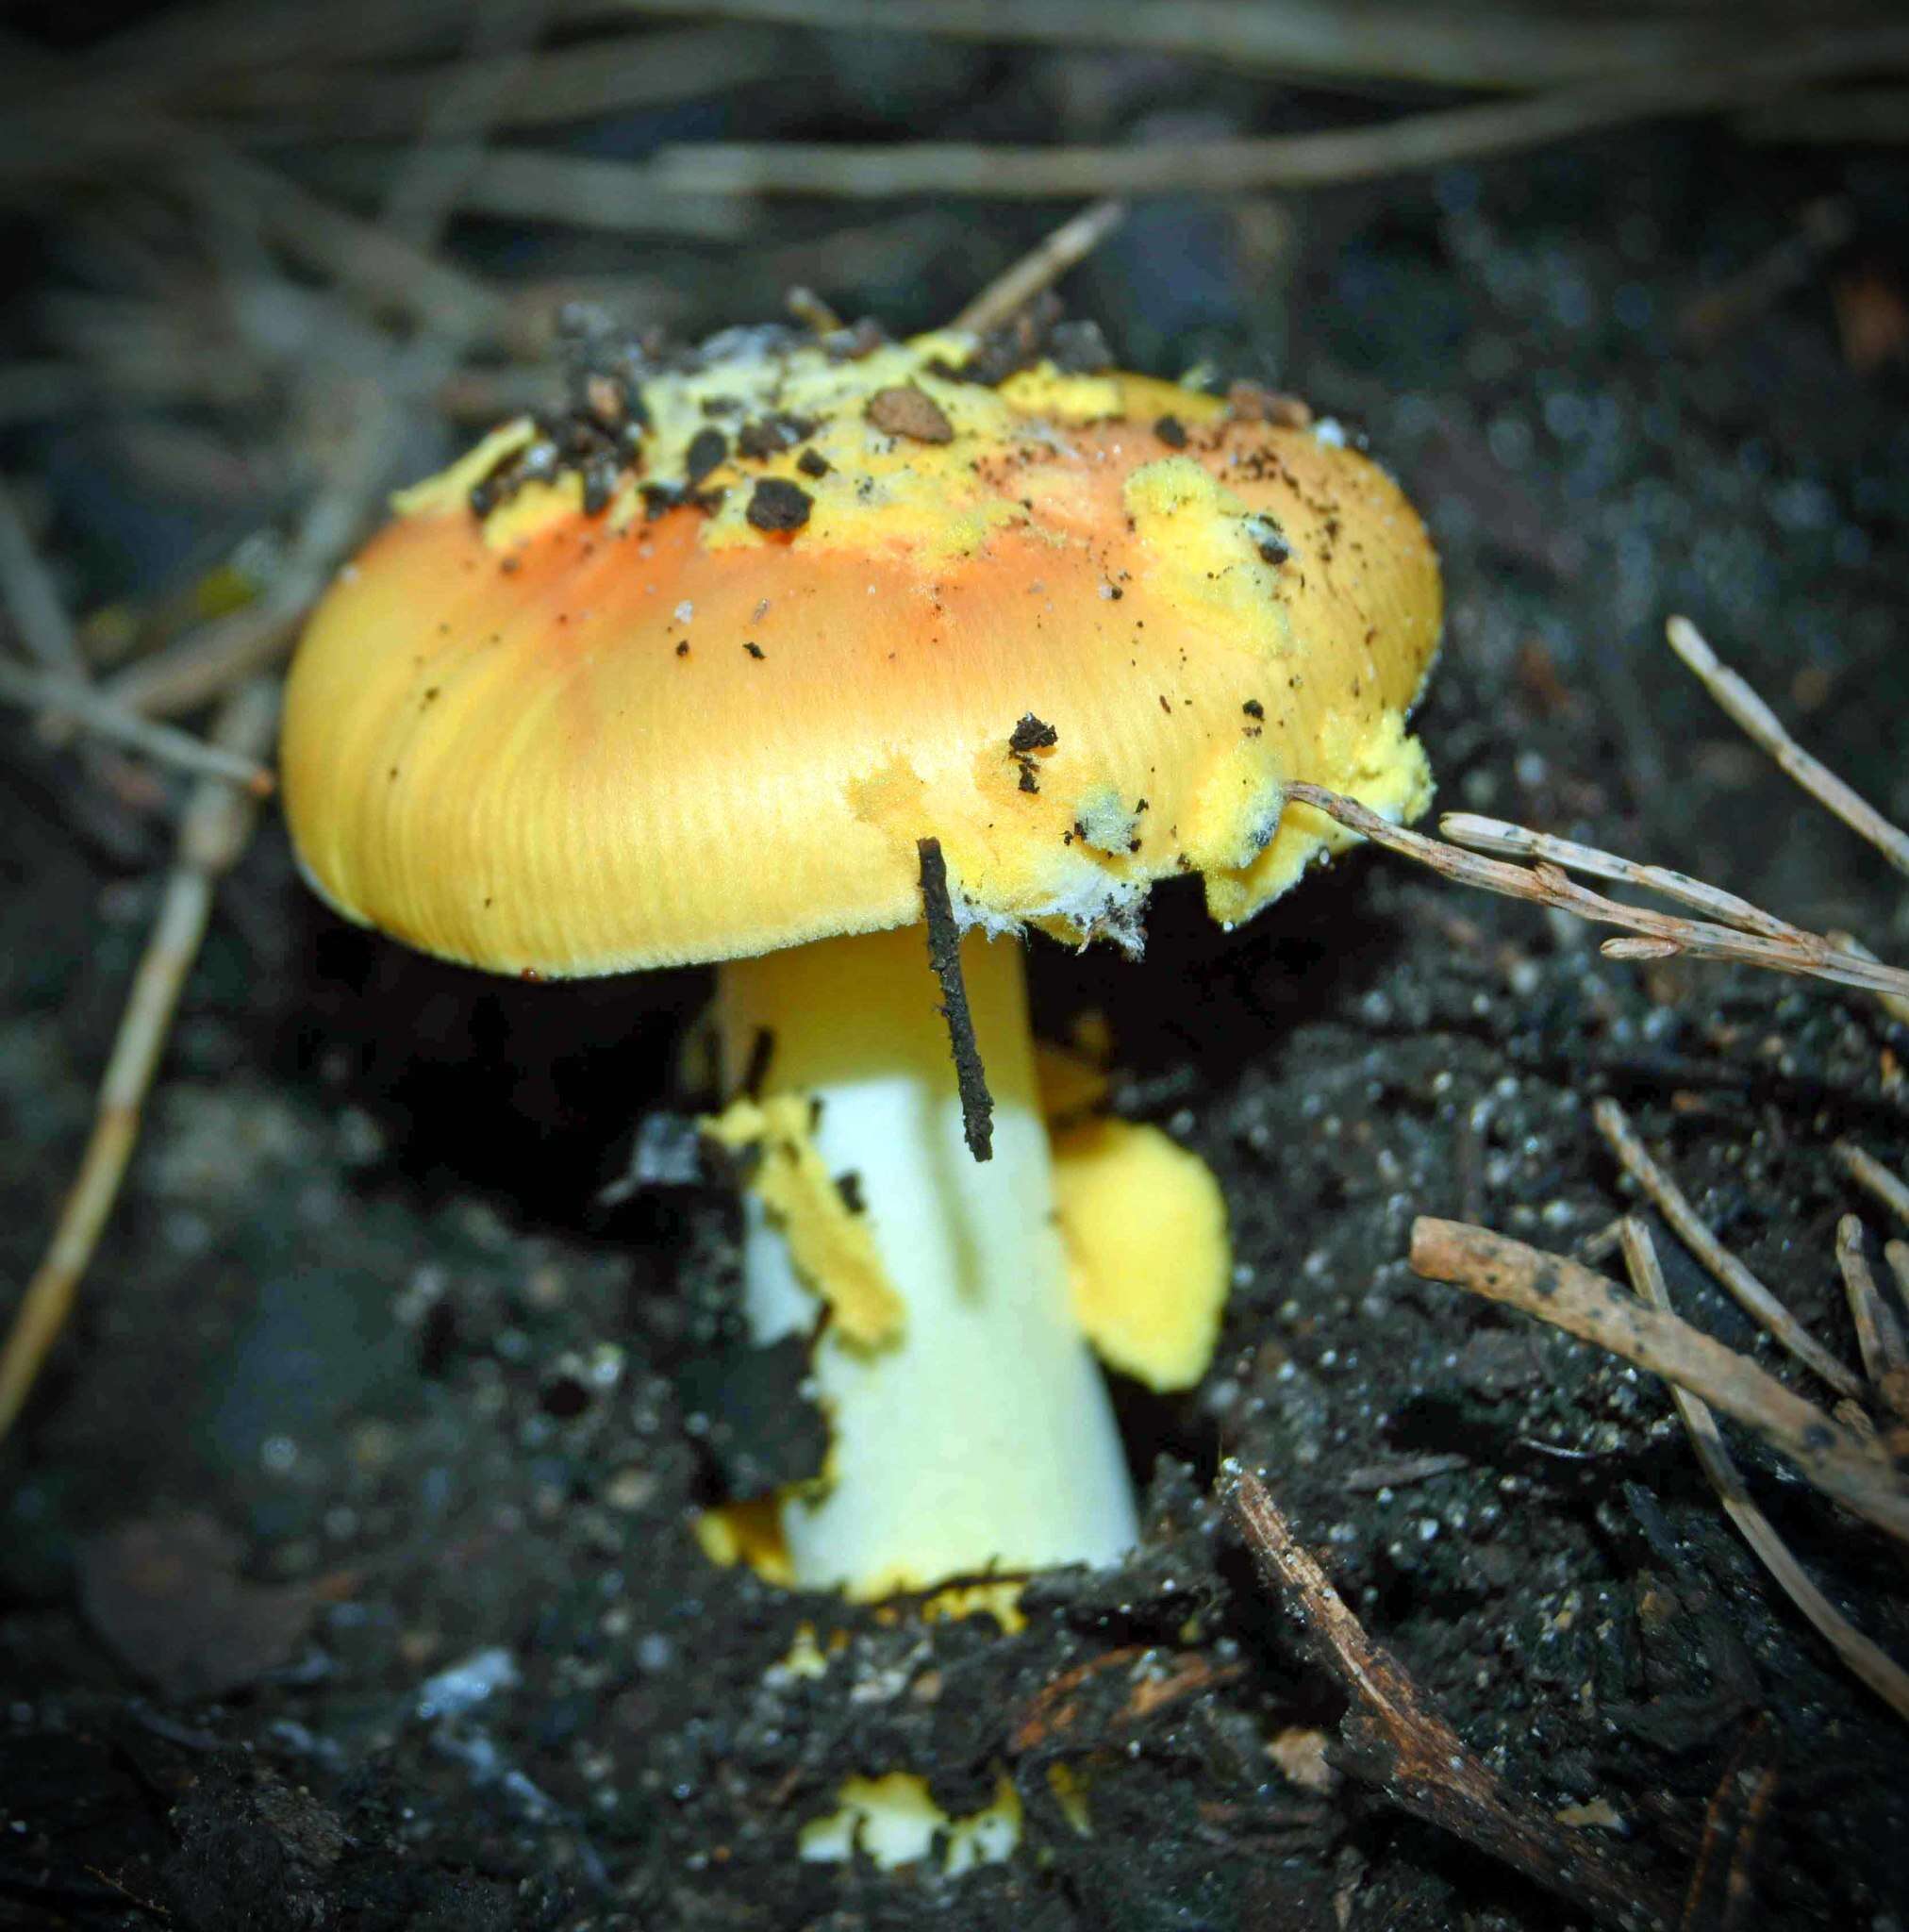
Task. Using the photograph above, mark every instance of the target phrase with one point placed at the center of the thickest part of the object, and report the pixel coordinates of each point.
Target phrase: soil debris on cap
(811, 463)
(708, 449)
(1171, 431)
(776, 504)
(1269, 540)
(769, 436)
(1031, 735)
(905, 411)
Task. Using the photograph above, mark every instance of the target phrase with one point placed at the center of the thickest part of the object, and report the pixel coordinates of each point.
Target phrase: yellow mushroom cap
(1079, 628)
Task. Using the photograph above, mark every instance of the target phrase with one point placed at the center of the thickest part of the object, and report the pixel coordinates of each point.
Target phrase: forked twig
(1411, 1753)
(1750, 1294)
(1656, 935)
(1864, 1658)
(1583, 1303)
(213, 834)
(1507, 840)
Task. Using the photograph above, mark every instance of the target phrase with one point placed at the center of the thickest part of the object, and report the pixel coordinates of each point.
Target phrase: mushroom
(734, 666)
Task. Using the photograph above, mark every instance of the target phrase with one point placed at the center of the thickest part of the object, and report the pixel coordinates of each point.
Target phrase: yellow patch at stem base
(893, 1820)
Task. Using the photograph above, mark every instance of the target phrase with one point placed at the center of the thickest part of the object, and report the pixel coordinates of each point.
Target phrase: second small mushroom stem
(980, 1434)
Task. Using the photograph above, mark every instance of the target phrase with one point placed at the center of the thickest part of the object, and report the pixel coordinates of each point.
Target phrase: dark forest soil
(360, 1311)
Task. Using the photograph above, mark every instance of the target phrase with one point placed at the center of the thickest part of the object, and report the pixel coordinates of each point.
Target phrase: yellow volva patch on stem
(1145, 1227)
(831, 1246)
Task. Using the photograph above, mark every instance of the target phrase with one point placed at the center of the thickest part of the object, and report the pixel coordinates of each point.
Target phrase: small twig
(1878, 1338)
(1009, 293)
(1867, 1172)
(1585, 1305)
(84, 705)
(1760, 723)
(213, 834)
(31, 601)
(1660, 935)
(1410, 1752)
(1864, 1660)
(1517, 841)
(944, 956)
(1755, 1300)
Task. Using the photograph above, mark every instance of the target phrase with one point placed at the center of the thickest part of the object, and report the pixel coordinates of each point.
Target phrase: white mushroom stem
(981, 1436)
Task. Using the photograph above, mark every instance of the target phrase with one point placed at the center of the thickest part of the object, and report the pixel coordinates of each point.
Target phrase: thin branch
(1071, 244)
(1719, 1897)
(588, 81)
(359, 254)
(1761, 725)
(31, 600)
(162, 49)
(213, 834)
(872, 171)
(1839, 118)
(462, 108)
(1409, 1751)
(563, 189)
(83, 704)
(1583, 1303)
(378, 264)
(1410, 143)
(1867, 1172)
(1394, 43)
(1895, 1003)
(1864, 1660)
(45, 389)
(1661, 936)
(1878, 1338)
(208, 662)
(1750, 1294)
